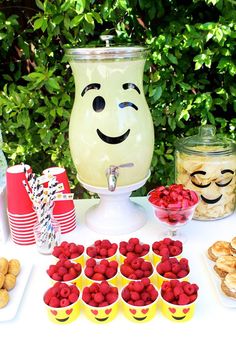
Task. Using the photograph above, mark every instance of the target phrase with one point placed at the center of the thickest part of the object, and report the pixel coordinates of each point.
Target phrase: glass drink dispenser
(111, 132)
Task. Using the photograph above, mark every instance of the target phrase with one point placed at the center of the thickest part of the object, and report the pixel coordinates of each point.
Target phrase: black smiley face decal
(99, 105)
(227, 172)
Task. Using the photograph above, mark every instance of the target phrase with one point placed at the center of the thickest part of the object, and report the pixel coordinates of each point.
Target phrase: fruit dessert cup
(66, 271)
(62, 302)
(136, 268)
(100, 302)
(172, 268)
(102, 249)
(133, 247)
(166, 248)
(174, 207)
(99, 270)
(69, 250)
(139, 300)
(178, 300)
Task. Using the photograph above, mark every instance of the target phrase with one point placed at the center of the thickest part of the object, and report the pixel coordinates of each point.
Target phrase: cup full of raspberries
(133, 247)
(139, 300)
(178, 299)
(100, 302)
(66, 271)
(172, 268)
(69, 250)
(166, 248)
(98, 270)
(135, 268)
(102, 249)
(62, 302)
(173, 205)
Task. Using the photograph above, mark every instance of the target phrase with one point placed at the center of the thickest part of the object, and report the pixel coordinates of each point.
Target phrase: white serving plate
(9, 311)
(225, 300)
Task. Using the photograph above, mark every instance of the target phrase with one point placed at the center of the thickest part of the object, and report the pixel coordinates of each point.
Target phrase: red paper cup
(22, 242)
(18, 200)
(66, 220)
(69, 229)
(66, 215)
(65, 206)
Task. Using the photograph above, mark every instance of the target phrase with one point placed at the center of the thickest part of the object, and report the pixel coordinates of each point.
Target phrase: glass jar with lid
(206, 163)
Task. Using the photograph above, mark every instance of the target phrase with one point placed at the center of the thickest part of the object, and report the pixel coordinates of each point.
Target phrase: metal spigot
(112, 174)
(106, 38)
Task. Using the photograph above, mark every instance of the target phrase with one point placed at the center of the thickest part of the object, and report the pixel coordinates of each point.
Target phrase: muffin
(219, 248)
(225, 265)
(228, 285)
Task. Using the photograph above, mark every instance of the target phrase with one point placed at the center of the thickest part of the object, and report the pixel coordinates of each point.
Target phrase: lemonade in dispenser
(111, 133)
(111, 130)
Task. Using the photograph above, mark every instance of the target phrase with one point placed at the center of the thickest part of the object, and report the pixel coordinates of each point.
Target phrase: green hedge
(189, 77)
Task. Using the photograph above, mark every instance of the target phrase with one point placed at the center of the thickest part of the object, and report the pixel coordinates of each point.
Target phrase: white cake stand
(115, 214)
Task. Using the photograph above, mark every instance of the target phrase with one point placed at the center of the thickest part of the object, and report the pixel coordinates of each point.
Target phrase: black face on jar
(223, 180)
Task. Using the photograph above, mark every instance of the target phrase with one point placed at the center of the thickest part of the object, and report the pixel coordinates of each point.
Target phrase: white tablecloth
(213, 324)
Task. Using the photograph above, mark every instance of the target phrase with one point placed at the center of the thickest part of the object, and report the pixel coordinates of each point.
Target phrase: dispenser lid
(206, 142)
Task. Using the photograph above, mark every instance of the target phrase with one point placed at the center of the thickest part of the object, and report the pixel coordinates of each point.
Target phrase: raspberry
(62, 270)
(145, 296)
(153, 294)
(146, 266)
(74, 255)
(54, 302)
(136, 263)
(104, 288)
(90, 262)
(166, 266)
(174, 251)
(164, 252)
(65, 292)
(165, 286)
(126, 294)
(134, 240)
(73, 272)
(183, 299)
(98, 298)
(86, 297)
(126, 270)
(170, 275)
(100, 268)
(138, 248)
(168, 296)
(64, 302)
(98, 277)
(103, 304)
(113, 264)
(192, 298)
(138, 286)
(89, 272)
(139, 303)
(177, 291)
(105, 262)
(56, 277)
(134, 295)
(145, 281)
(189, 289)
(111, 298)
(175, 268)
(68, 277)
(182, 274)
(110, 272)
(139, 274)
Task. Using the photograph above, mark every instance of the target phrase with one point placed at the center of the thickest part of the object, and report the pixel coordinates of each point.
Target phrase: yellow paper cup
(139, 314)
(177, 313)
(104, 314)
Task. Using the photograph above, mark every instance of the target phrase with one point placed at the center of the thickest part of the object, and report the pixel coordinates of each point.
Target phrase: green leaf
(76, 20)
(53, 84)
(38, 23)
(89, 18)
(39, 4)
(172, 58)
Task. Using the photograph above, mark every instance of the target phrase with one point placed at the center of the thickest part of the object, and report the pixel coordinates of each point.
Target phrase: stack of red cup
(64, 210)
(21, 214)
